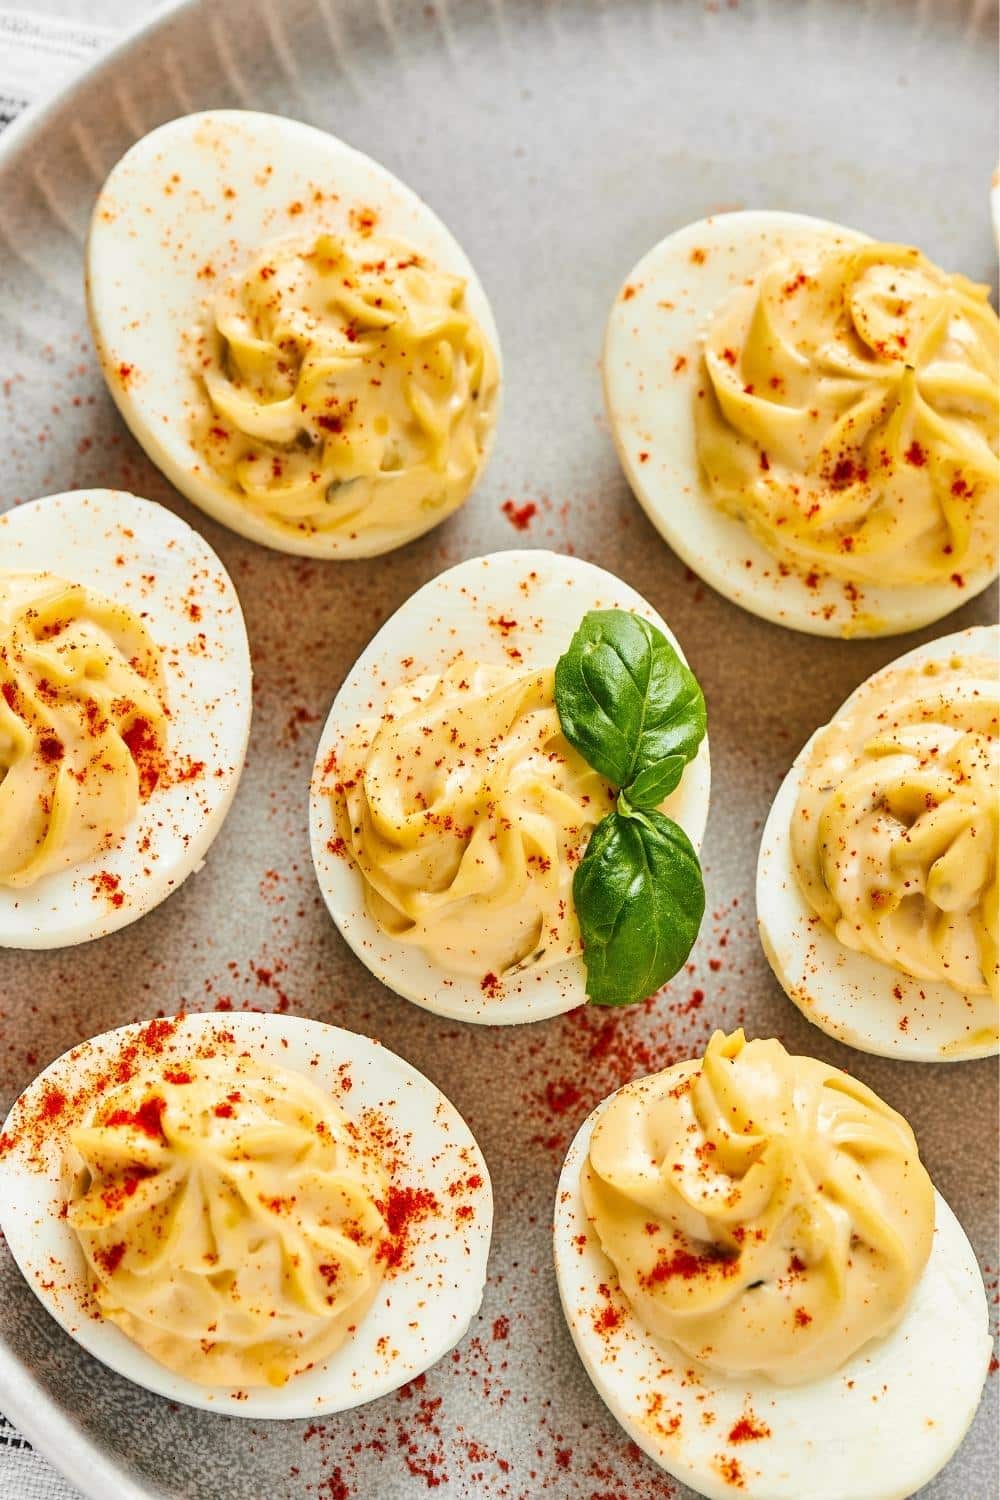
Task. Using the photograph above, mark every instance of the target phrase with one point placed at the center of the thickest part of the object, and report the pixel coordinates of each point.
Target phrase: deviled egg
(125, 703)
(292, 335)
(877, 876)
(760, 1278)
(809, 418)
(254, 1214)
(510, 791)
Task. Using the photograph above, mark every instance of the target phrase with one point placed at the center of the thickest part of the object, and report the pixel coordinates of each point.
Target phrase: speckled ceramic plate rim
(44, 1423)
(24, 1401)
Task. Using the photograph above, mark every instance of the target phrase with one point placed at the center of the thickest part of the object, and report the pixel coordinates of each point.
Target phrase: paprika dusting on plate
(520, 516)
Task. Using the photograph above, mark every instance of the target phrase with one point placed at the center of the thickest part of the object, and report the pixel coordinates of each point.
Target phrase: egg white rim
(419, 1314)
(142, 555)
(647, 331)
(427, 631)
(152, 398)
(828, 1421)
(851, 996)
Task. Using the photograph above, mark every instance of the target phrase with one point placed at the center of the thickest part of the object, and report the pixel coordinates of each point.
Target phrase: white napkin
(38, 53)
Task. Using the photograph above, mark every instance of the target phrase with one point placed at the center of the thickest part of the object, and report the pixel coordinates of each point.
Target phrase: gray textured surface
(558, 140)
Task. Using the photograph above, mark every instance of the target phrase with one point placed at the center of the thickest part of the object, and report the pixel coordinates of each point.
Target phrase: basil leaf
(629, 705)
(654, 785)
(639, 898)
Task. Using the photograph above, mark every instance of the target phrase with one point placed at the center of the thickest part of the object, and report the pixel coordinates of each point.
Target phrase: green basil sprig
(629, 705)
(636, 714)
(640, 899)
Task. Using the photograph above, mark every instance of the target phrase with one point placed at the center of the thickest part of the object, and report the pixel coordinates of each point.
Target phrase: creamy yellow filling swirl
(894, 835)
(348, 387)
(764, 1212)
(82, 723)
(849, 415)
(230, 1219)
(466, 811)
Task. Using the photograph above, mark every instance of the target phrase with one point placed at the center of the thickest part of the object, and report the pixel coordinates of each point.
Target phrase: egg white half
(208, 191)
(419, 1314)
(656, 323)
(456, 613)
(849, 995)
(142, 556)
(878, 1429)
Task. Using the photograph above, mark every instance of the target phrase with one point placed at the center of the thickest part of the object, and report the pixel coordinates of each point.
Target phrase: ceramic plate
(559, 141)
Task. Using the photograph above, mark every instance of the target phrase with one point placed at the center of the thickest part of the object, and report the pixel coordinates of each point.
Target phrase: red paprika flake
(363, 221)
(607, 1320)
(53, 1103)
(684, 1264)
(845, 471)
(749, 1429)
(336, 1487)
(403, 1208)
(157, 1032)
(109, 1260)
(109, 886)
(562, 1095)
(190, 770)
(143, 745)
(148, 1118)
(520, 516)
(731, 1472)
